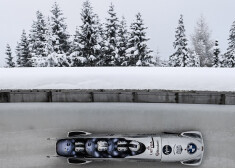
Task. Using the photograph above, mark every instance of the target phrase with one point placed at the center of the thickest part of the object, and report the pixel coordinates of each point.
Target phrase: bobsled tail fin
(77, 161)
(192, 134)
(193, 162)
(77, 133)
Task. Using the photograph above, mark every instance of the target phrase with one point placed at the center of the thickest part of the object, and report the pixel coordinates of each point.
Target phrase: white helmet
(102, 146)
(134, 146)
(122, 149)
(79, 144)
(79, 147)
(121, 143)
(121, 146)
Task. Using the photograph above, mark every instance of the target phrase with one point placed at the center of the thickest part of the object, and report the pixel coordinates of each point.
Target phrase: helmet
(102, 146)
(122, 143)
(122, 149)
(79, 144)
(79, 147)
(122, 146)
(134, 146)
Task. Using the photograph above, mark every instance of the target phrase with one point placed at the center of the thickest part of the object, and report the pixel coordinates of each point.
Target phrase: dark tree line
(48, 43)
(112, 43)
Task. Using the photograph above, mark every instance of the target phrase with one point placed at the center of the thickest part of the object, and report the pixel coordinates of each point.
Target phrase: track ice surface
(24, 129)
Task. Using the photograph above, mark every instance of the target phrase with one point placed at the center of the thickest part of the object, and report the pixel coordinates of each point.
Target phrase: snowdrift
(163, 78)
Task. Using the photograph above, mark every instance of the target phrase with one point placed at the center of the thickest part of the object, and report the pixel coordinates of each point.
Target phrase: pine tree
(111, 28)
(215, 60)
(60, 35)
(180, 58)
(38, 40)
(101, 43)
(86, 42)
(49, 38)
(230, 55)
(138, 52)
(222, 60)
(24, 57)
(18, 55)
(51, 59)
(9, 59)
(202, 43)
(157, 59)
(194, 59)
(122, 42)
(74, 53)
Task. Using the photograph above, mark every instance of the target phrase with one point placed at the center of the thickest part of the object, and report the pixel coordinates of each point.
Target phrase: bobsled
(80, 147)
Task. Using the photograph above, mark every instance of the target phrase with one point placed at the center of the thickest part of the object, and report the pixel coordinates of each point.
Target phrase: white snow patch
(206, 79)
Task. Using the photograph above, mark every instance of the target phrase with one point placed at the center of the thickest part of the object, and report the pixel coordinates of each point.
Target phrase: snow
(27, 123)
(92, 58)
(82, 59)
(139, 63)
(165, 78)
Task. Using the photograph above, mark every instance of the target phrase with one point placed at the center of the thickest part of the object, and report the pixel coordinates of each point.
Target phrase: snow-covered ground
(206, 79)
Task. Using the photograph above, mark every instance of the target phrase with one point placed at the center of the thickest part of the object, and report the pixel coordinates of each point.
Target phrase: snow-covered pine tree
(101, 43)
(9, 59)
(215, 60)
(60, 36)
(49, 38)
(138, 52)
(85, 42)
(157, 59)
(230, 54)
(18, 55)
(52, 59)
(122, 41)
(74, 53)
(23, 51)
(201, 42)
(180, 58)
(222, 62)
(38, 40)
(194, 59)
(111, 56)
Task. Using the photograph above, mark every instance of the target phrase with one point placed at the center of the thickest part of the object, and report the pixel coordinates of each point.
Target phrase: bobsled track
(25, 127)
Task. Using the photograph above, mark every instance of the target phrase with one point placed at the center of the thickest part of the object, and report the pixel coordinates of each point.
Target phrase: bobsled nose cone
(59, 148)
(64, 148)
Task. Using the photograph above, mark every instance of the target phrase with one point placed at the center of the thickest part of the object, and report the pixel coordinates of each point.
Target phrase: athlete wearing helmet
(134, 146)
(102, 146)
(79, 147)
(122, 146)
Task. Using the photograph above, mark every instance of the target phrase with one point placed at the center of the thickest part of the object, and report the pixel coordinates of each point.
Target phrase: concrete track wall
(136, 96)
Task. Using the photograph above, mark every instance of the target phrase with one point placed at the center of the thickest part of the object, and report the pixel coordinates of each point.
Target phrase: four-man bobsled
(82, 147)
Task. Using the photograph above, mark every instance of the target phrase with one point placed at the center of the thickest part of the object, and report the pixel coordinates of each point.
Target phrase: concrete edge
(117, 95)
